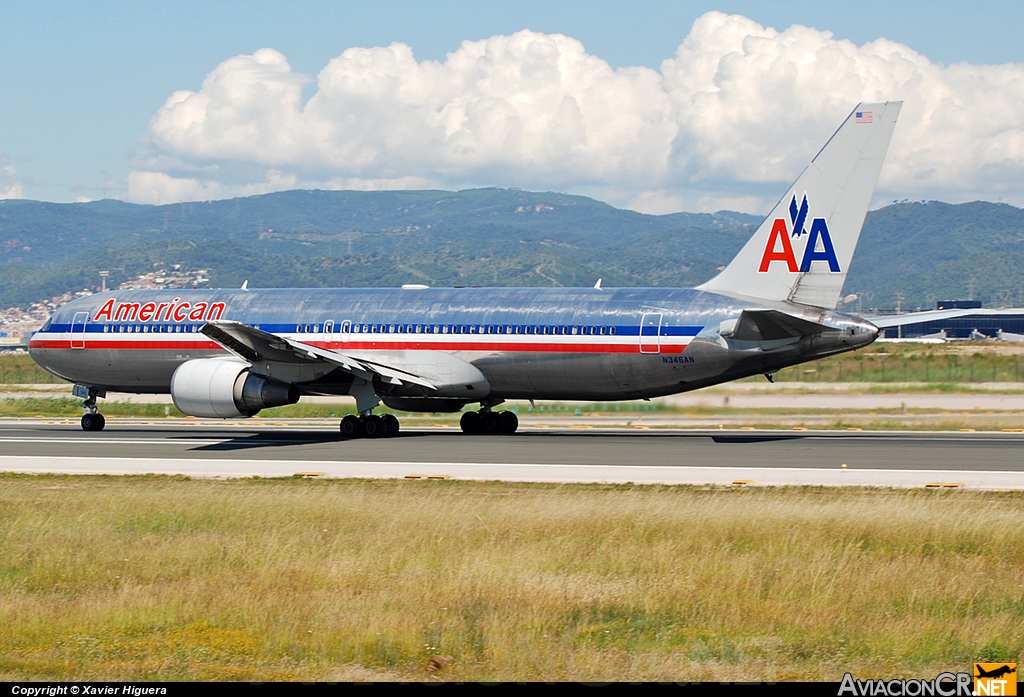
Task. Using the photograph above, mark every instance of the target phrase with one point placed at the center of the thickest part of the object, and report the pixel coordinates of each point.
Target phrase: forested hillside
(481, 237)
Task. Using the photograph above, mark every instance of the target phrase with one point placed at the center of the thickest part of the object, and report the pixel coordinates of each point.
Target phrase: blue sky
(83, 81)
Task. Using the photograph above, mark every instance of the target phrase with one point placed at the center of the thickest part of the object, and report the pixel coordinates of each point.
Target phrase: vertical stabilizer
(802, 250)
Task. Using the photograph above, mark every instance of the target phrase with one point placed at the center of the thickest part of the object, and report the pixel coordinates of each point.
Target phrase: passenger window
(602, 331)
(574, 329)
(316, 328)
(611, 330)
(105, 329)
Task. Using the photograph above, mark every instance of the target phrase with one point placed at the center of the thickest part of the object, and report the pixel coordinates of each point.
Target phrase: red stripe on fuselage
(132, 345)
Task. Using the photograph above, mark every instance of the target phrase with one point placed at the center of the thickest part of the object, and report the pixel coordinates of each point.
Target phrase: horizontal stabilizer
(772, 325)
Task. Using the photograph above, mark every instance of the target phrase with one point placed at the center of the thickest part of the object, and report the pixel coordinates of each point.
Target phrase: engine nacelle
(225, 389)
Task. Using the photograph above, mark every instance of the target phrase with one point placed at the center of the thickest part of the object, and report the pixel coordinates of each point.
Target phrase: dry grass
(166, 578)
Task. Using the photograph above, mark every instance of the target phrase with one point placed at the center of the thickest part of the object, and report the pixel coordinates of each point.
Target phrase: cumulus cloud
(730, 119)
(158, 188)
(10, 186)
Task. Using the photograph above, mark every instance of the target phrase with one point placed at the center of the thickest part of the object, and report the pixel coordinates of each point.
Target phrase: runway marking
(129, 441)
(638, 474)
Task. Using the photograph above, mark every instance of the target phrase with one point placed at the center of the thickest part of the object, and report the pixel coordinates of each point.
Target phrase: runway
(764, 457)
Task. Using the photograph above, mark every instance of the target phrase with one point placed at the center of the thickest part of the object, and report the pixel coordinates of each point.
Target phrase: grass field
(105, 578)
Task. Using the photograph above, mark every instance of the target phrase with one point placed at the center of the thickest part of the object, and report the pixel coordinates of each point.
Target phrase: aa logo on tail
(780, 246)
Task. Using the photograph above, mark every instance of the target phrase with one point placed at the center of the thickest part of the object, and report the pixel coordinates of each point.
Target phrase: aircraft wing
(883, 321)
(255, 345)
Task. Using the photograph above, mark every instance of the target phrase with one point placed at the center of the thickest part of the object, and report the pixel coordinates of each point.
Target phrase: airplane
(999, 672)
(231, 353)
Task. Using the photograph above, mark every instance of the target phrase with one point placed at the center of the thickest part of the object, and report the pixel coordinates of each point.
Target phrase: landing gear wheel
(509, 422)
(351, 427)
(372, 426)
(93, 422)
(391, 425)
(491, 423)
(470, 423)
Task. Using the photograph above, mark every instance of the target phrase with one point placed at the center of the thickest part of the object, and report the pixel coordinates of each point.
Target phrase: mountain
(481, 237)
(934, 250)
(351, 238)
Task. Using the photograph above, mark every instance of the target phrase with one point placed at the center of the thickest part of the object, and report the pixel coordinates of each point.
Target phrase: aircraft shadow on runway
(234, 441)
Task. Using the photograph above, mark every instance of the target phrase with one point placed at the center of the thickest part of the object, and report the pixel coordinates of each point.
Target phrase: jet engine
(225, 389)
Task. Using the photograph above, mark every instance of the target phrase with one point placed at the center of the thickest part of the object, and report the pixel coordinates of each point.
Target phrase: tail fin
(804, 247)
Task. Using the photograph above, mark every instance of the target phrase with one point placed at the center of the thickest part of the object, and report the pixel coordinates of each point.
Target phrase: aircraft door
(650, 332)
(78, 330)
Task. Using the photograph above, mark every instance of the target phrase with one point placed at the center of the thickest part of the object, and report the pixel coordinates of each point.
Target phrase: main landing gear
(489, 423)
(369, 426)
(92, 419)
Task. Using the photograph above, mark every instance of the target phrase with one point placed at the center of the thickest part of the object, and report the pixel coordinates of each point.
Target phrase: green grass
(925, 363)
(160, 578)
(20, 369)
(938, 364)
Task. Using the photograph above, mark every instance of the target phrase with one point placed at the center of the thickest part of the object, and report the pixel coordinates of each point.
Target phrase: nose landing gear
(369, 426)
(92, 419)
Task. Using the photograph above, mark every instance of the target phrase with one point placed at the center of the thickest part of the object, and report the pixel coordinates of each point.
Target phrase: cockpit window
(46, 326)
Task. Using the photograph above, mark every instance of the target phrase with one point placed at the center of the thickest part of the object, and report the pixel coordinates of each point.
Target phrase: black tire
(351, 427)
(470, 423)
(509, 422)
(93, 422)
(372, 426)
(391, 425)
(491, 423)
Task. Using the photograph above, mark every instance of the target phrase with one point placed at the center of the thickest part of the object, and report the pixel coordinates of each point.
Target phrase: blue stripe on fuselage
(684, 311)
